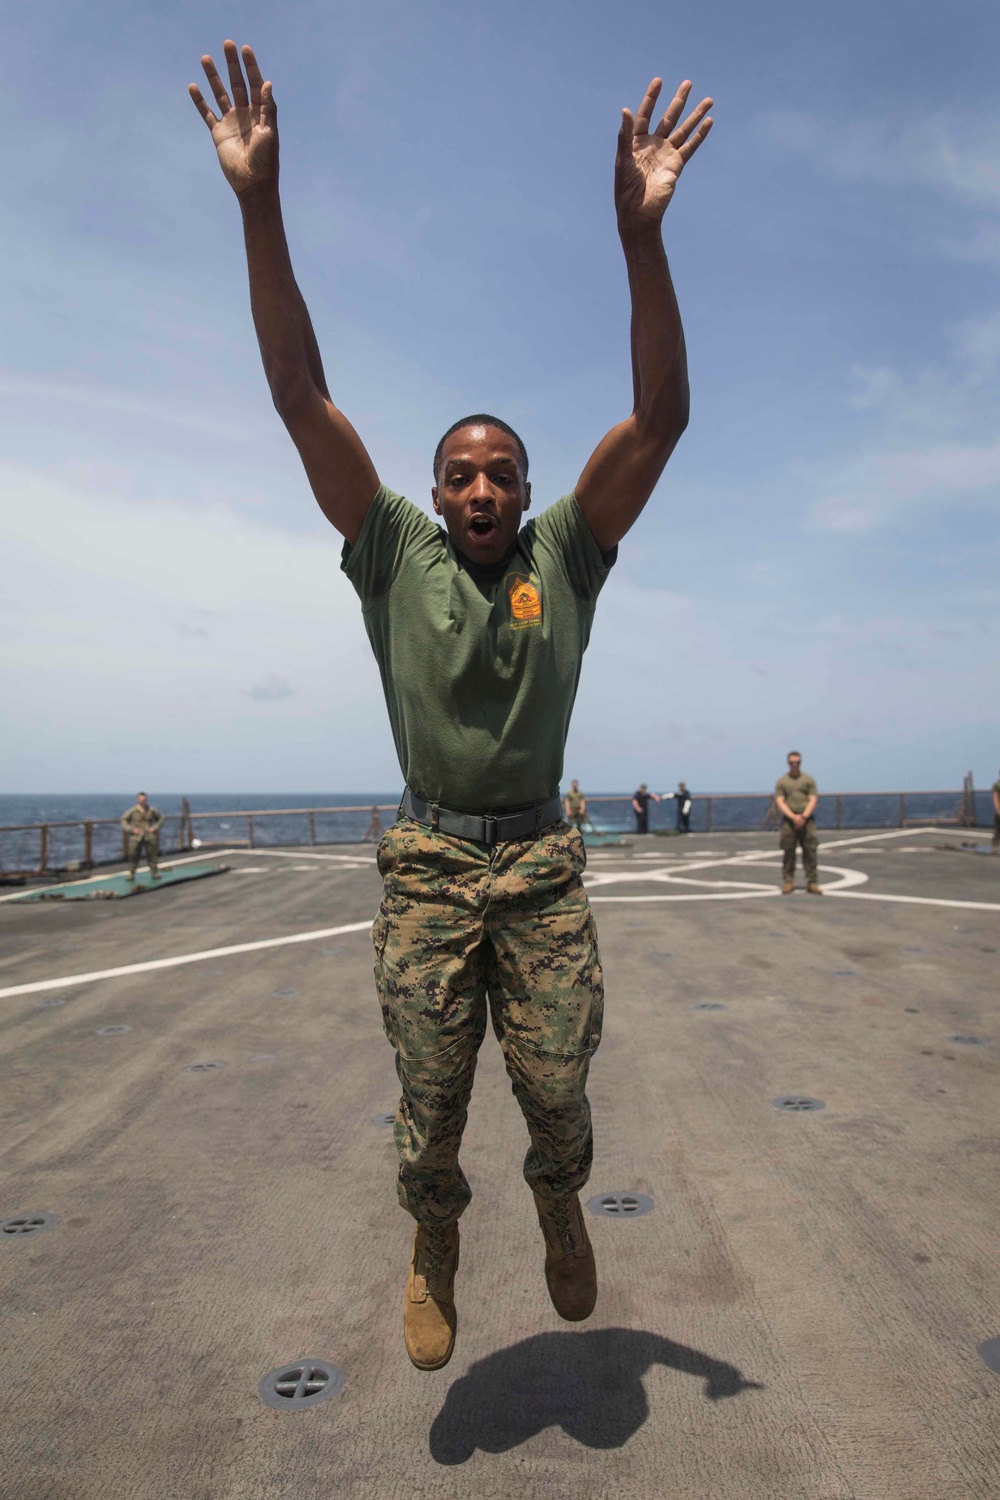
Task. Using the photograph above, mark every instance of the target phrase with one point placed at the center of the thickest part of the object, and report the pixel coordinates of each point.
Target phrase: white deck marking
(350, 862)
(737, 890)
(918, 900)
(353, 860)
(181, 958)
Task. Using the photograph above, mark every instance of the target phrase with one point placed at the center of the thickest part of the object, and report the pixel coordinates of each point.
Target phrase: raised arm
(245, 133)
(624, 468)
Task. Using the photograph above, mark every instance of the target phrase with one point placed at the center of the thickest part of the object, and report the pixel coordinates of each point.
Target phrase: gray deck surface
(798, 1316)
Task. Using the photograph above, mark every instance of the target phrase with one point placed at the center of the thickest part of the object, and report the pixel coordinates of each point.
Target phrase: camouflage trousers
(462, 928)
(807, 837)
(148, 841)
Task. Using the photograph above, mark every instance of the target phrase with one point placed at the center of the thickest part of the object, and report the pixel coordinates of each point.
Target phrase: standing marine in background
(575, 806)
(142, 825)
(796, 797)
(682, 808)
(479, 628)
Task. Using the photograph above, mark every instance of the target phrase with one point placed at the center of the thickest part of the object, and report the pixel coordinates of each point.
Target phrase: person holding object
(682, 809)
(795, 796)
(479, 628)
(142, 825)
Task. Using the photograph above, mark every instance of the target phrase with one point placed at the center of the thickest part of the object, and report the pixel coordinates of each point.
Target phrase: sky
(818, 567)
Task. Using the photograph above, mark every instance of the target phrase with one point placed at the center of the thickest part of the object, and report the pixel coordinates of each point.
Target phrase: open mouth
(482, 527)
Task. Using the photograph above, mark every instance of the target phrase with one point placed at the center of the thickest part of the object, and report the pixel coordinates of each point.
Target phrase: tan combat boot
(814, 889)
(788, 887)
(570, 1272)
(429, 1317)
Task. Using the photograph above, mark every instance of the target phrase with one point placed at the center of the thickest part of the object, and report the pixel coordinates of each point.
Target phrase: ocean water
(222, 818)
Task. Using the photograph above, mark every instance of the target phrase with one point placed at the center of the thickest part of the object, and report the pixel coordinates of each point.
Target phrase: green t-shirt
(479, 666)
(796, 790)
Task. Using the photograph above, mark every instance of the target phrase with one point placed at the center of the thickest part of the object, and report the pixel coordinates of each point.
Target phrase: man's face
(481, 493)
(143, 800)
(794, 765)
(574, 786)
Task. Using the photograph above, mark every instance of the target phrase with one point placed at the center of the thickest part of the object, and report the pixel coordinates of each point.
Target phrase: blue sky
(819, 564)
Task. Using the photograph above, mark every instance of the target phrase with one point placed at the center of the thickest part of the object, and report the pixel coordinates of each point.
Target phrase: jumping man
(479, 628)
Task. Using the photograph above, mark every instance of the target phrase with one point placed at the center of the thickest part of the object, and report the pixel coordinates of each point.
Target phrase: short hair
(140, 794)
(481, 419)
(794, 752)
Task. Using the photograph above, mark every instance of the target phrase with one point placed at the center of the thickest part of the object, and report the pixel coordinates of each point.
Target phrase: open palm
(246, 130)
(649, 163)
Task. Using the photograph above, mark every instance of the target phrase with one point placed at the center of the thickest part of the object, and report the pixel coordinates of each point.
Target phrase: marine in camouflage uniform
(479, 631)
(142, 824)
(463, 928)
(796, 797)
(575, 806)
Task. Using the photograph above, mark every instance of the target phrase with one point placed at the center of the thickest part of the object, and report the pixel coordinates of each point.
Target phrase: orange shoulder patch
(525, 601)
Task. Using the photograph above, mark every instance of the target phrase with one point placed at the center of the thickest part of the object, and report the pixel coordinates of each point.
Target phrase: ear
(527, 496)
(435, 501)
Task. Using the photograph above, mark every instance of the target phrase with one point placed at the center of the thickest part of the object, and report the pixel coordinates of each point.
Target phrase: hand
(246, 137)
(648, 165)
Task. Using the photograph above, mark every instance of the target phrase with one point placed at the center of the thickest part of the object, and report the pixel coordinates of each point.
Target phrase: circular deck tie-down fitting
(989, 1353)
(304, 1382)
(969, 1041)
(620, 1205)
(20, 1226)
(798, 1103)
(113, 1030)
(203, 1067)
(709, 1005)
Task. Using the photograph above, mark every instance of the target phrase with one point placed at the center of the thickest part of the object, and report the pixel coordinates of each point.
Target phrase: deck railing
(27, 848)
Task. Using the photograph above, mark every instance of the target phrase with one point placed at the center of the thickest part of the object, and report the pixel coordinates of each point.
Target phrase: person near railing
(795, 796)
(479, 629)
(575, 806)
(142, 824)
(641, 798)
(682, 808)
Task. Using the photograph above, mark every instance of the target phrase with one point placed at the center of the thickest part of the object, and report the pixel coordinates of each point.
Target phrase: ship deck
(800, 1314)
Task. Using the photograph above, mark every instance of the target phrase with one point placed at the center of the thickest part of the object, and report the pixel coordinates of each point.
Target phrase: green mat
(109, 887)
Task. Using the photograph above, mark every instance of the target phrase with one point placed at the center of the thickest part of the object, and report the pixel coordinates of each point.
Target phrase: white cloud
(879, 488)
(137, 631)
(271, 689)
(953, 153)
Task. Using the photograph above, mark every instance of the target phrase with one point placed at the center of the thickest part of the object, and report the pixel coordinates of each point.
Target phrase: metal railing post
(840, 811)
(312, 828)
(88, 844)
(249, 831)
(43, 847)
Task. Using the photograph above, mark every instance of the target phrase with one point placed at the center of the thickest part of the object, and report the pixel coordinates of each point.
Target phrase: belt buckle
(491, 827)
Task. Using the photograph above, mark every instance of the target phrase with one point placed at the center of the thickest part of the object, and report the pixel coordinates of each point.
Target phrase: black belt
(525, 823)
